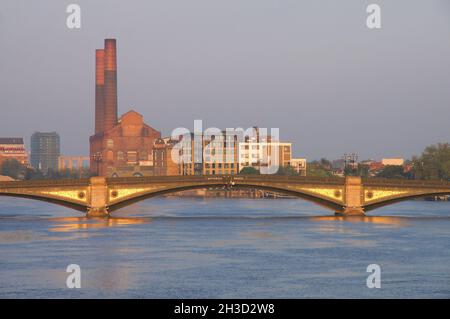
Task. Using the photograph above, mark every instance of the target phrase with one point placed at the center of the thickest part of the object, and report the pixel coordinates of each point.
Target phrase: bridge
(99, 196)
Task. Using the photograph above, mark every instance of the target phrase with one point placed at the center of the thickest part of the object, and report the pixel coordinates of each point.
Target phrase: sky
(311, 68)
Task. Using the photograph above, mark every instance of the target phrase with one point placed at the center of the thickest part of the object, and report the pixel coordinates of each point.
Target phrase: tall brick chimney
(110, 88)
(99, 90)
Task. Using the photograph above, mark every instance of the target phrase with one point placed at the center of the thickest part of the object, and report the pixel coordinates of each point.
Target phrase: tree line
(16, 170)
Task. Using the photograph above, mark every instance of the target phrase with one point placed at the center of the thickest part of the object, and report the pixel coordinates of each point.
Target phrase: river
(224, 248)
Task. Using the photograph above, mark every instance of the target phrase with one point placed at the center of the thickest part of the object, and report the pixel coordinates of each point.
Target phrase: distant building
(299, 165)
(45, 151)
(260, 154)
(125, 149)
(393, 161)
(197, 155)
(368, 162)
(191, 149)
(6, 179)
(13, 148)
(163, 165)
(375, 167)
(73, 163)
(220, 154)
(224, 154)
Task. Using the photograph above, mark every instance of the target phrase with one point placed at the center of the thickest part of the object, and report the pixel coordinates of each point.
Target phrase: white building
(265, 156)
(299, 165)
(393, 161)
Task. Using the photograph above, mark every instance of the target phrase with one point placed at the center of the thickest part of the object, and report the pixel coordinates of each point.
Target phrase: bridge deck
(102, 195)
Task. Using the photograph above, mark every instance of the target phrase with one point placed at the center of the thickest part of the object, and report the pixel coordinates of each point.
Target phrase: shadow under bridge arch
(334, 205)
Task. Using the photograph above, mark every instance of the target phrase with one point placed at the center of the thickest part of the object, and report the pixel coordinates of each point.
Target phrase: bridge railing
(404, 182)
(46, 183)
(225, 178)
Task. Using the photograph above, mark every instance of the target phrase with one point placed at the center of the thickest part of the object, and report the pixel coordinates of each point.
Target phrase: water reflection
(68, 224)
(383, 220)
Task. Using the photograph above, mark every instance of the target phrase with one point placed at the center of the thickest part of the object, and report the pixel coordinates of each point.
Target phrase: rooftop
(11, 140)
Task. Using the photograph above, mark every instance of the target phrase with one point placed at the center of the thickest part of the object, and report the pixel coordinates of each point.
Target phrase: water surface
(224, 248)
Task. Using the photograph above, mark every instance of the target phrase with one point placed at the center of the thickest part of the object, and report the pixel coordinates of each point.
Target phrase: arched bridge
(98, 196)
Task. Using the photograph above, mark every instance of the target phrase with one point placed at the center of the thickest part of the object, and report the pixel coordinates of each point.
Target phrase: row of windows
(132, 156)
(219, 165)
(222, 172)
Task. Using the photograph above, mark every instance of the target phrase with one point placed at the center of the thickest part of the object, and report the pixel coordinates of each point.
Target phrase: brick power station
(120, 146)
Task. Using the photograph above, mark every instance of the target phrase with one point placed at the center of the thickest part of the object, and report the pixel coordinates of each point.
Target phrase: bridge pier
(98, 199)
(97, 212)
(353, 197)
(351, 211)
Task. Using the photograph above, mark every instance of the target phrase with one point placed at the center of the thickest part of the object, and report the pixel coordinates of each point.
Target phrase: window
(120, 156)
(143, 156)
(109, 156)
(132, 157)
(109, 143)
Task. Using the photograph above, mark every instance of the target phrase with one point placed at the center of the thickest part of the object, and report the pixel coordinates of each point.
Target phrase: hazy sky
(311, 68)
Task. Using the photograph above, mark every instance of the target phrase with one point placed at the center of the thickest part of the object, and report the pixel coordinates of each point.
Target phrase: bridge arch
(390, 201)
(335, 206)
(60, 202)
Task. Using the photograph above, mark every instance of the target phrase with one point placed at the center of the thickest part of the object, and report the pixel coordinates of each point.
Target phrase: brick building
(119, 147)
(13, 148)
(73, 163)
(163, 165)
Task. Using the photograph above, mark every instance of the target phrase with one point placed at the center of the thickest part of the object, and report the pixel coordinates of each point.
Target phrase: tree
(434, 163)
(31, 173)
(392, 171)
(287, 170)
(316, 169)
(326, 164)
(12, 168)
(249, 171)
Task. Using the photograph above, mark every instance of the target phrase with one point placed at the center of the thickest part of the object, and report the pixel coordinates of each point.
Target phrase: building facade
(393, 161)
(45, 151)
(197, 155)
(265, 156)
(13, 148)
(220, 154)
(73, 163)
(299, 165)
(121, 146)
(163, 165)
